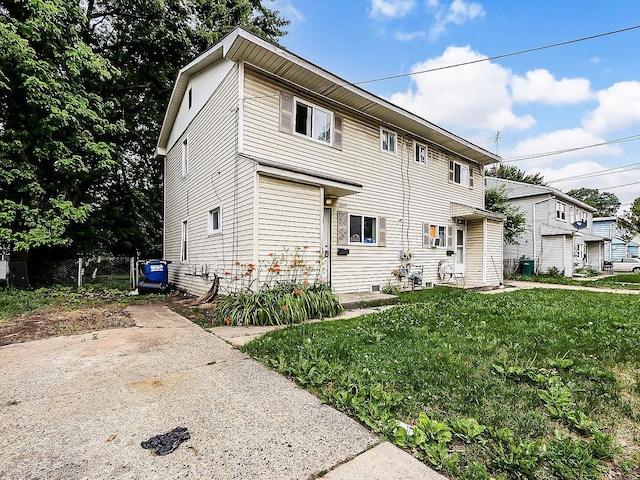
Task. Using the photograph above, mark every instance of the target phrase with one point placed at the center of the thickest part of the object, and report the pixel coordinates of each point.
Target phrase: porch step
(353, 300)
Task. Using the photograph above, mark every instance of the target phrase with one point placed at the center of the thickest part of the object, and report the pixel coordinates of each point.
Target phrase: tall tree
(515, 223)
(511, 172)
(607, 204)
(148, 41)
(56, 134)
(629, 222)
(83, 92)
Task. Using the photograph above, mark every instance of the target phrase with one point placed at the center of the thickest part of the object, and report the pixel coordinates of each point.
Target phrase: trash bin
(156, 271)
(526, 267)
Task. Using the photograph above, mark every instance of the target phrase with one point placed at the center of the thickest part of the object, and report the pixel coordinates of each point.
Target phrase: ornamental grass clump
(281, 290)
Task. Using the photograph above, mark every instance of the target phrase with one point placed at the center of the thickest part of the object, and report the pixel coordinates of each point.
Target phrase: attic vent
(375, 288)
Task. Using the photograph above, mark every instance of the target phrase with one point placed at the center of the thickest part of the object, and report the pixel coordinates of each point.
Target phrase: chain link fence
(99, 272)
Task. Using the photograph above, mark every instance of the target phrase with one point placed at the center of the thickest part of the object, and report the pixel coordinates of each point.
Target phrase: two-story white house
(559, 228)
(264, 151)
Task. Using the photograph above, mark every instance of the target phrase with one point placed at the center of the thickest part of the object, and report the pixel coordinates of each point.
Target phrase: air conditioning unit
(434, 242)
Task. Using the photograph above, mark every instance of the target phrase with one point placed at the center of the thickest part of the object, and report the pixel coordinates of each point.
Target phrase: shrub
(290, 291)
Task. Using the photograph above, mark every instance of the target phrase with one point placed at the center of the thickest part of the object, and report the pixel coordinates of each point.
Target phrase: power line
(567, 150)
(497, 57)
(607, 171)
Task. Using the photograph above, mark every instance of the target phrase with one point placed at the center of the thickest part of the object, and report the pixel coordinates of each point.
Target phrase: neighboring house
(264, 151)
(560, 228)
(615, 248)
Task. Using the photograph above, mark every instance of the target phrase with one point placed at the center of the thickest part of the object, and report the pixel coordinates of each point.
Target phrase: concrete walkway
(78, 407)
(530, 285)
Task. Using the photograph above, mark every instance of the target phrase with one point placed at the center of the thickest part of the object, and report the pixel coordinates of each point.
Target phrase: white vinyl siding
(185, 157)
(216, 176)
(290, 217)
(494, 247)
(361, 160)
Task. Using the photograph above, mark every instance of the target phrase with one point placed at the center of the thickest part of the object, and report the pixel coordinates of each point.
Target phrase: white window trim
(210, 229)
(395, 135)
(185, 157)
(559, 212)
(184, 241)
(362, 242)
(432, 243)
(297, 100)
(416, 144)
(462, 165)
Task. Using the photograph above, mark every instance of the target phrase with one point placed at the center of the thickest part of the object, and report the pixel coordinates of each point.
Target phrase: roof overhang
(589, 237)
(333, 186)
(280, 64)
(466, 212)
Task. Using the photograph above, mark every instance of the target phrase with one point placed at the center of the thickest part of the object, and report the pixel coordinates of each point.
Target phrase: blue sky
(567, 97)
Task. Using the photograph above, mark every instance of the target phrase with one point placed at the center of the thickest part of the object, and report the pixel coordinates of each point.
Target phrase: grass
(526, 384)
(629, 281)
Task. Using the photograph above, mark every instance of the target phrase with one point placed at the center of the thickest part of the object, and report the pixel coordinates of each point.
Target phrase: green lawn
(526, 384)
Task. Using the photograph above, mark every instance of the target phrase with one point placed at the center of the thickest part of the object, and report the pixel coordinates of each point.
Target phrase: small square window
(420, 153)
(388, 141)
(363, 229)
(215, 220)
(561, 211)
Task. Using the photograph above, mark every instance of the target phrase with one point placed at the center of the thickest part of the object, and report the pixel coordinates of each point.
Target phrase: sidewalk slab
(384, 462)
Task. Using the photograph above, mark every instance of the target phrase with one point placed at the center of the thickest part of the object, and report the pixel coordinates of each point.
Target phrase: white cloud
(558, 141)
(288, 11)
(600, 182)
(391, 8)
(458, 13)
(594, 60)
(469, 97)
(619, 108)
(541, 86)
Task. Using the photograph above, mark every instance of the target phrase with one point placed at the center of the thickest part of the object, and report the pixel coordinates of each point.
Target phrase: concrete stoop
(356, 300)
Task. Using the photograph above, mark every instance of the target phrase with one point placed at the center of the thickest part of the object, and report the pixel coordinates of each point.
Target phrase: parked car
(626, 265)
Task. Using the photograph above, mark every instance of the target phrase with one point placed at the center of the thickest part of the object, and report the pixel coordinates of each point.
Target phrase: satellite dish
(579, 225)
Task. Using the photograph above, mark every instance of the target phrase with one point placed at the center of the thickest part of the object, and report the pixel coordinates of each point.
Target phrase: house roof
(276, 62)
(546, 230)
(461, 211)
(522, 190)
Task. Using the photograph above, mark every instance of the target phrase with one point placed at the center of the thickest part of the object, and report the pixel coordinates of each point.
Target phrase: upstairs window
(388, 141)
(363, 229)
(420, 153)
(313, 122)
(460, 173)
(561, 211)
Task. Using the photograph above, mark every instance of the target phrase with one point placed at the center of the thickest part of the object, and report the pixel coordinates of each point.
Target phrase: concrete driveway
(78, 407)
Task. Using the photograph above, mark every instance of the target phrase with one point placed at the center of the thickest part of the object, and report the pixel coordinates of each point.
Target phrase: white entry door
(461, 249)
(326, 246)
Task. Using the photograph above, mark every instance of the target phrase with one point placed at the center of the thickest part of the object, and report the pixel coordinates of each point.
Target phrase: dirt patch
(53, 323)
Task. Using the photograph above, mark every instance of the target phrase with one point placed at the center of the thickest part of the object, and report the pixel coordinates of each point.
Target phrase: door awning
(333, 186)
(467, 212)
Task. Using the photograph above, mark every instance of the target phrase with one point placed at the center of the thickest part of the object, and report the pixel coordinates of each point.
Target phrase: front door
(461, 249)
(326, 246)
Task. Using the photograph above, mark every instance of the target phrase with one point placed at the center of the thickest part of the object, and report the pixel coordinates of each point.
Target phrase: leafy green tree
(83, 92)
(511, 172)
(607, 204)
(148, 41)
(57, 136)
(629, 223)
(515, 223)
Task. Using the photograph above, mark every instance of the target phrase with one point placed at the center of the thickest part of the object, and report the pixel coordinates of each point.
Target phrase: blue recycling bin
(156, 271)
